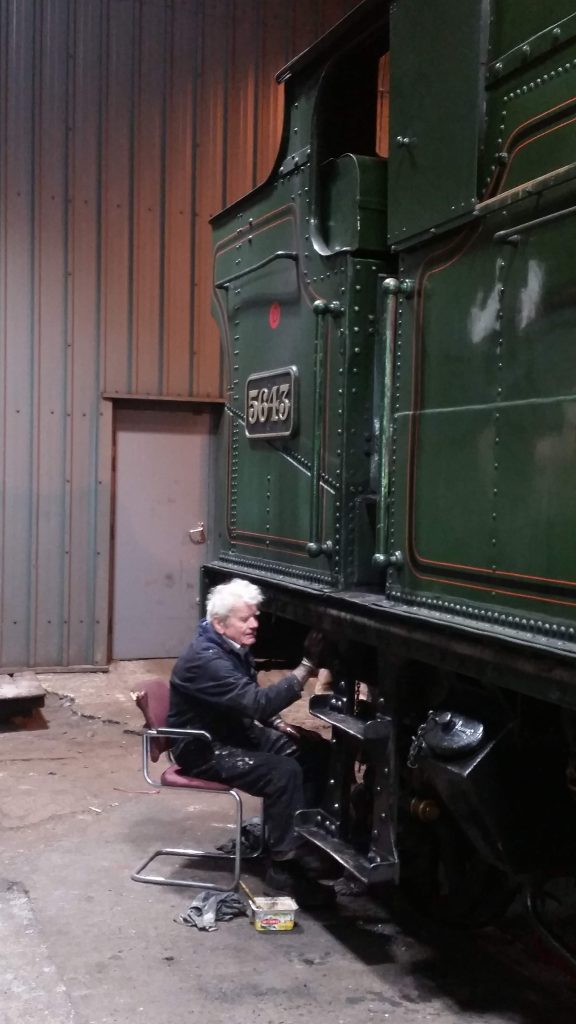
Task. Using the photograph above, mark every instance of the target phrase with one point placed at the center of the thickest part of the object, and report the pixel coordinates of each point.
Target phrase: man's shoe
(284, 878)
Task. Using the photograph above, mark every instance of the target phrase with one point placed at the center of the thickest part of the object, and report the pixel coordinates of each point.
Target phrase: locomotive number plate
(271, 403)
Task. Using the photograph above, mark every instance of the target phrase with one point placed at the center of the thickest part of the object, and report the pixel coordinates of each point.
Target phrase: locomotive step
(325, 707)
(357, 864)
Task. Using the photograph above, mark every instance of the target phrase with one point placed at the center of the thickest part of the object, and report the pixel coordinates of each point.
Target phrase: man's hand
(314, 647)
(324, 682)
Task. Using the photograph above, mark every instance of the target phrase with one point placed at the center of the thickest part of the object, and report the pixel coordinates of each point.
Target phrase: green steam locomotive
(397, 306)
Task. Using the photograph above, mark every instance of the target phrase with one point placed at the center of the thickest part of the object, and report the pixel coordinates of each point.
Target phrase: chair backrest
(153, 699)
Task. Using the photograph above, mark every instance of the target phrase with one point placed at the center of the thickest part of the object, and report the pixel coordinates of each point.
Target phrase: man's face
(240, 626)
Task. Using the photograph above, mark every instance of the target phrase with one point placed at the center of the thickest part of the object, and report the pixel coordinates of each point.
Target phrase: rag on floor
(209, 907)
(250, 839)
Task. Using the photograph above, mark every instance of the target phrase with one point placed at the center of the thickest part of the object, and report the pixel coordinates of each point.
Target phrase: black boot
(316, 863)
(286, 878)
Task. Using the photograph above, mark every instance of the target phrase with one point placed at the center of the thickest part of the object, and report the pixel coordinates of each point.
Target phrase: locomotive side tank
(397, 316)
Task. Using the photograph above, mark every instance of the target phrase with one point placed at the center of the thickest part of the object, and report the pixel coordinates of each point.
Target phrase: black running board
(368, 870)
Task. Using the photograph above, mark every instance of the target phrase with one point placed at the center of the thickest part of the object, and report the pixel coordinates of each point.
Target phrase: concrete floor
(83, 944)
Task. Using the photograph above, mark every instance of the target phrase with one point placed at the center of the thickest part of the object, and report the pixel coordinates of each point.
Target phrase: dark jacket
(214, 687)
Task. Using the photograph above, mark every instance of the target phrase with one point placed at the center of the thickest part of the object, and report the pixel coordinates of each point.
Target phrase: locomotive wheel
(444, 877)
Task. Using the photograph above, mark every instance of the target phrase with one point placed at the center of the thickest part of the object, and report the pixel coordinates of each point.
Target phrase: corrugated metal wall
(191, 121)
(124, 124)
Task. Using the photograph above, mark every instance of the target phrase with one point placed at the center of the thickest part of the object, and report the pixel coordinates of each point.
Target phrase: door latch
(197, 534)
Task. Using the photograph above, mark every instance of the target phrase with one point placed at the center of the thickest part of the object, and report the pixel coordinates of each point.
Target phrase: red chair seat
(175, 776)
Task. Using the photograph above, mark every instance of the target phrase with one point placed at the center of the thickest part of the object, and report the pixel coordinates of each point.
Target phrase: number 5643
(269, 404)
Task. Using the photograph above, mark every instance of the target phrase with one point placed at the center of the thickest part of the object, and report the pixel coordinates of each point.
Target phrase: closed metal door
(161, 494)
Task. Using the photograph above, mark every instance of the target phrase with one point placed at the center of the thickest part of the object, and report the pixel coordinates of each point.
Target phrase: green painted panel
(238, 255)
(270, 481)
(273, 495)
(522, 526)
(269, 486)
(457, 308)
(536, 501)
(452, 488)
(530, 121)
(538, 315)
(434, 127)
(512, 23)
(486, 517)
(535, 146)
(543, 154)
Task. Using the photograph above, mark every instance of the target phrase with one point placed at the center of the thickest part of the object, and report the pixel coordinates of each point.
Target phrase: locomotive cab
(296, 267)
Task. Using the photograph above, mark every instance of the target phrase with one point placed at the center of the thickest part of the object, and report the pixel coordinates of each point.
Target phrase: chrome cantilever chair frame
(174, 778)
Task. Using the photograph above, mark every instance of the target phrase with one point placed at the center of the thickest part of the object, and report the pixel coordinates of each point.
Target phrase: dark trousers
(287, 776)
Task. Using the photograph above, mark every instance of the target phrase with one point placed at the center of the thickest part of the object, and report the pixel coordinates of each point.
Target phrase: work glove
(314, 647)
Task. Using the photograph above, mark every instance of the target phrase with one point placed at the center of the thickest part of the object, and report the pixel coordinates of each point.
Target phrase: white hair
(226, 596)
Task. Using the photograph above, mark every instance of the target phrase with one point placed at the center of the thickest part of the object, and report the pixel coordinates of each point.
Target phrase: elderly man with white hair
(214, 687)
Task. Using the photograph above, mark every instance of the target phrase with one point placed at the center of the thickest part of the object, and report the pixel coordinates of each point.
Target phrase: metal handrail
(280, 255)
(391, 286)
(316, 546)
(512, 234)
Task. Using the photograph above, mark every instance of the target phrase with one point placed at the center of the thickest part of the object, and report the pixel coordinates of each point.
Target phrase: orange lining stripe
(519, 128)
(534, 138)
(265, 227)
(249, 230)
(271, 547)
(498, 572)
(496, 590)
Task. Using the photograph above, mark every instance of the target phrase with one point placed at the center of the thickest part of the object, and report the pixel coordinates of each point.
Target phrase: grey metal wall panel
(83, 322)
(210, 195)
(18, 296)
(180, 188)
(277, 47)
(241, 83)
(117, 188)
(50, 355)
(149, 187)
(124, 124)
